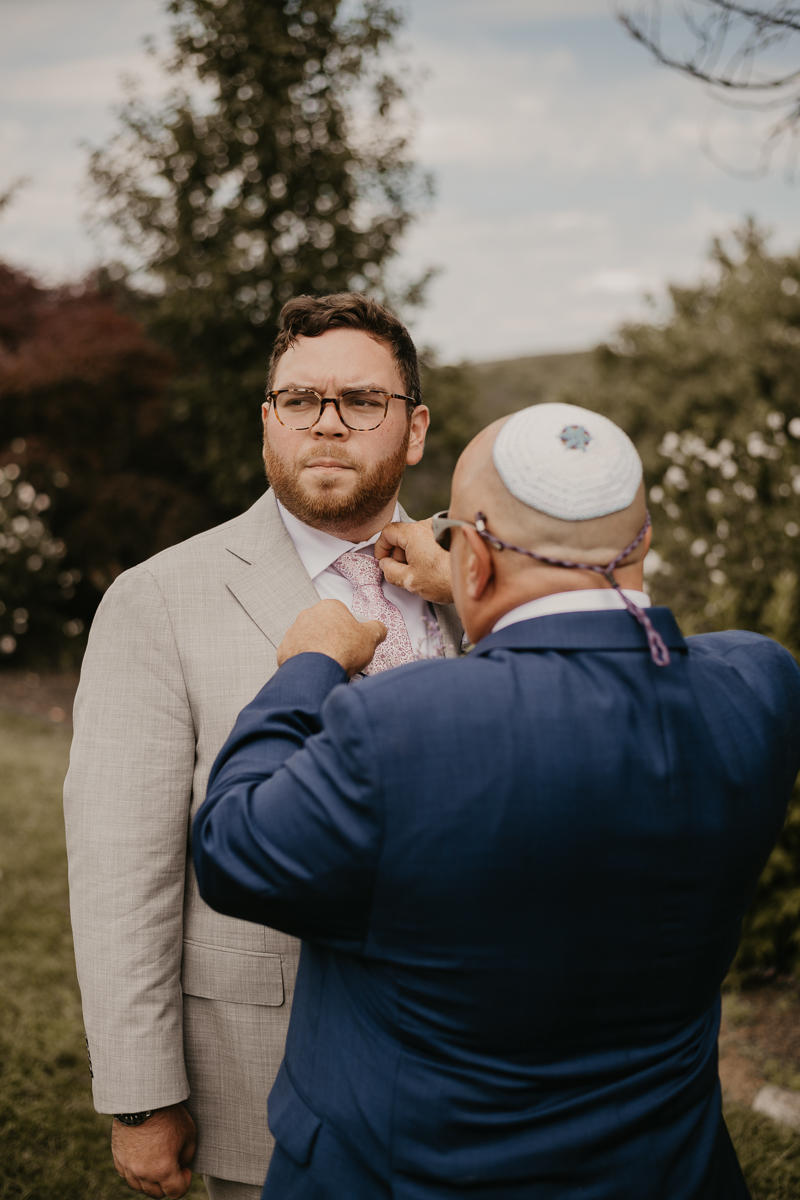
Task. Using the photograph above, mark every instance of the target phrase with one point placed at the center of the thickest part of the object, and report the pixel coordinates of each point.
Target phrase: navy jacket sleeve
(288, 835)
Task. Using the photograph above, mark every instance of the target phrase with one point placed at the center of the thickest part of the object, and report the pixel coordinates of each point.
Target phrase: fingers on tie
(394, 572)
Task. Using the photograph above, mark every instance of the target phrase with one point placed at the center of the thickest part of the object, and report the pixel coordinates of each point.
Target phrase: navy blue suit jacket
(519, 877)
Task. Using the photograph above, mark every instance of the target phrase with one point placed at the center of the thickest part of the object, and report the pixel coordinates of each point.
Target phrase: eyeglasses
(443, 527)
(361, 411)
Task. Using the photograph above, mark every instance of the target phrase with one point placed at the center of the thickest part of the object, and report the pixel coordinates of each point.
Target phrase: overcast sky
(570, 170)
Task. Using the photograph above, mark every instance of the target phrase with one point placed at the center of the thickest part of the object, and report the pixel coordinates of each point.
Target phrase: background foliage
(710, 395)
(84, 425)
(33, 584)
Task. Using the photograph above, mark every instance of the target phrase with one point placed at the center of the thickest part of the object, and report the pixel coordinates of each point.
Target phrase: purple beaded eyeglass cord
(658, 649)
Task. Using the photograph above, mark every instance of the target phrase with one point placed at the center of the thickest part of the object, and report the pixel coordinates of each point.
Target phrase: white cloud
(614, 283)
(86, 81)
(527, 11)
(548, 115)
(57, 29)
(548, 280)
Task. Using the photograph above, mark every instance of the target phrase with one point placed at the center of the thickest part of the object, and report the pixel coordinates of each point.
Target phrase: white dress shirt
(319, 550)
(583, 600)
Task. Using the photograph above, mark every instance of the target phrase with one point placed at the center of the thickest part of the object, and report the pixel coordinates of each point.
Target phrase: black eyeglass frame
(272, 398)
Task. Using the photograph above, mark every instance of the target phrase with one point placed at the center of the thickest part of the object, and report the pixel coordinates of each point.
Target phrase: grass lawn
(53, 1145)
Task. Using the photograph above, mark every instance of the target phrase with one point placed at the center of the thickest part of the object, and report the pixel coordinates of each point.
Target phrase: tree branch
(789, 22)
(687, 67)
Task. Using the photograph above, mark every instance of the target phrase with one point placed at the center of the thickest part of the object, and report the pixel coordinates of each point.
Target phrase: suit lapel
(266, 575)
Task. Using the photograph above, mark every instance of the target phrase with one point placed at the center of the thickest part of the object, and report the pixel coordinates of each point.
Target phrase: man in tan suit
(186, 1011)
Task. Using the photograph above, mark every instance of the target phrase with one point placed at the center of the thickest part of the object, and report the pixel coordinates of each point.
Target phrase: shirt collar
(316, 549)
(582, 600)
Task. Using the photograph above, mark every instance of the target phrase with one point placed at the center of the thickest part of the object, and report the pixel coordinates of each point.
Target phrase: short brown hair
(310, 316)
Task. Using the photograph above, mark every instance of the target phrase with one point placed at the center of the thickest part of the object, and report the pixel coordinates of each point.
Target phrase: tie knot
(362, 570)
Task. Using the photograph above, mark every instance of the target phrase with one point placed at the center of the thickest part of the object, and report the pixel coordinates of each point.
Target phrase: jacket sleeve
(290, 829)
(126, 803)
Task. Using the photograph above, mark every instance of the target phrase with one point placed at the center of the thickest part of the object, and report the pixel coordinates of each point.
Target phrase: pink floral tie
(363, 572)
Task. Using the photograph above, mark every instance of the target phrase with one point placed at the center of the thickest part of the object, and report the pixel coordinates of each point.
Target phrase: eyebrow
(351, 387)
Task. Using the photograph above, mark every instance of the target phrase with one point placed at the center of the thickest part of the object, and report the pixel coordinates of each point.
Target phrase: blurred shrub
(728, 549)
(711, 395)
(729, 558)
(36, 623)
(83, 423)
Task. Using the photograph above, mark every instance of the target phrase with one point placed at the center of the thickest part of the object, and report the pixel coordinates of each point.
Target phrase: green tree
(711, 397)
(289, 174)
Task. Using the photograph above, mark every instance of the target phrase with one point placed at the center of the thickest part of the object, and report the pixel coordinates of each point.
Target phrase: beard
(321, 504)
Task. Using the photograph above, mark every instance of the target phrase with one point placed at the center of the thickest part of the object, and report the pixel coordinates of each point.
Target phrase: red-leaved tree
(85, 435)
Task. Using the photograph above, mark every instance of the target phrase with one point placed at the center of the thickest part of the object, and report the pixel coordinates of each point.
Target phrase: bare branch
(731, 39)
(689, 67)
(791, 21)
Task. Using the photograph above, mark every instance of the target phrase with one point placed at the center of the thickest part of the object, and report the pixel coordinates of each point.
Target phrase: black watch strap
(131, 1119)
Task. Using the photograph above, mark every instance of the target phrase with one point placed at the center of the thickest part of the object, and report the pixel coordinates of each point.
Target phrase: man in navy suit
(519, 876)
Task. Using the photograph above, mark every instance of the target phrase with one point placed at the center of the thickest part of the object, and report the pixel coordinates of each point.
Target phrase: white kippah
(567, 461)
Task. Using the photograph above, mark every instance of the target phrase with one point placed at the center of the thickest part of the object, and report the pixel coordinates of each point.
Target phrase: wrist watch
(131, 1119)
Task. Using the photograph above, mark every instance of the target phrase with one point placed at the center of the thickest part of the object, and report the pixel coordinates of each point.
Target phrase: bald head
(477, 487)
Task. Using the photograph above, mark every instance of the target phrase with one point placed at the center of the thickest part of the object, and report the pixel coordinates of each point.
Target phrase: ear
(264, 414)
(420, 420)
(480, 565)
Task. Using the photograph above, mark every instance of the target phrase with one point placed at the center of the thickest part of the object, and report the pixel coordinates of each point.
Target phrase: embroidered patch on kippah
(575, 437)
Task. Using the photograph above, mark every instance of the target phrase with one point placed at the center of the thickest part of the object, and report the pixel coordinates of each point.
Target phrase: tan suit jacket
(179, 1001)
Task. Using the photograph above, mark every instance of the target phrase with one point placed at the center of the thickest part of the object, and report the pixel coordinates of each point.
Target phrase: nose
(330, 424)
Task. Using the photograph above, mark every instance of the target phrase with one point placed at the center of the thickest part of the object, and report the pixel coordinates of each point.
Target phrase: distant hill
(510, 384)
